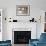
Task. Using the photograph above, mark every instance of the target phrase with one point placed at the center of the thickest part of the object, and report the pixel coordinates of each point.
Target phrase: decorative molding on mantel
(21, 29)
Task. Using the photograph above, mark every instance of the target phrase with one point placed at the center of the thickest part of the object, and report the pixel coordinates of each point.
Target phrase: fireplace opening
(22, 37)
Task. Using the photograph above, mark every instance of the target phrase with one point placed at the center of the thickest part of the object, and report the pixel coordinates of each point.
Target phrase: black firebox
(22, 37)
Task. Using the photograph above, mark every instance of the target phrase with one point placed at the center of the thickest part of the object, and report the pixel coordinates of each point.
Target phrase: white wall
(35, 3)
(4, 24)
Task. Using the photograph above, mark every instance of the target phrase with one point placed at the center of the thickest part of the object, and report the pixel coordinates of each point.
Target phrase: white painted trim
(1, 26)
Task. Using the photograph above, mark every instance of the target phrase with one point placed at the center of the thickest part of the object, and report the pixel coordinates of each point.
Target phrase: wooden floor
(20, 45)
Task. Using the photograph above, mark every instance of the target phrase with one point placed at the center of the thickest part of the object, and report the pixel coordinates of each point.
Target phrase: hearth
(22, 37)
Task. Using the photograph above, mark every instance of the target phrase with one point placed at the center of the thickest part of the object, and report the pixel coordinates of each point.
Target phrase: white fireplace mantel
(26, 27)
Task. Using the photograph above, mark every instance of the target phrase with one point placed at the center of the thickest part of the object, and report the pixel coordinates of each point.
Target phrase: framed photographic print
(22, 10)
